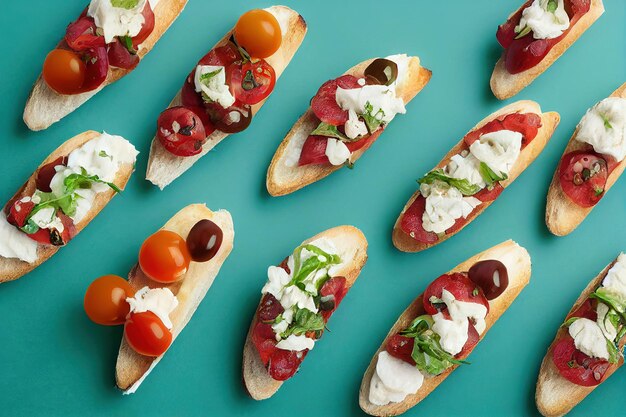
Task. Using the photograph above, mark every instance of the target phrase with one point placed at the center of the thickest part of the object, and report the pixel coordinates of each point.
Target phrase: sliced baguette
(132, 368)
(562, 214)
(555, 395)
(351, 243)
(163, 166)
(518, 264)
(549, 122)
(283, 179)
(45, 107)
(13, 268)
(505, 85)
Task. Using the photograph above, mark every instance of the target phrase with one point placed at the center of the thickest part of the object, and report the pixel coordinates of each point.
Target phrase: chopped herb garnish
(463, 185)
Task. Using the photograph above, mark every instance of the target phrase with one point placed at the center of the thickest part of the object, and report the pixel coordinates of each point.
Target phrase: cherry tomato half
(181, 131)
(164, 257)
(147, 334)
(258, 32)
(105, 300)
(251, 82)
(64, 71)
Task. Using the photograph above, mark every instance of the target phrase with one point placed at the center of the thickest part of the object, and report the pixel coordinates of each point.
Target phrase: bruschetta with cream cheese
(473, 174)
(297, 301)
(346, 116)
(225, 89)
(535, 36)
(589, 346)
(106, 42)
(593, 160)
(437, 332)
(62, 196)
(177, 266)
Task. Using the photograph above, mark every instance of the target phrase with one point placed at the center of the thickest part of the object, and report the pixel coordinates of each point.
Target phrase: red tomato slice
(269, 309)
(485, 195)
(587, 310)
(314, 148)
(18, 212)
(81, 35)
(459, 285)
(401, 347)
(324, 104)
(472, 340)
(577, 367)
(527, 124)
(412, 224)
(97, 68)
(146, 28)
(583, 175)
(284, 363)
(181, 132)
(147, 334)
(46, 172)
(336, 288)
(264, 340)
(221, 56)
(251, 83)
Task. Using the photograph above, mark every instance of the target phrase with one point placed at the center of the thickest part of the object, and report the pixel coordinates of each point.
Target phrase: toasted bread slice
(555, 395)
(505, 85)
(132, 368)
(283, 179)
(163, 166)
(562, 214)
(13, 268)
(45, 106)
(518, 264)
(549, 122)
(351, 243)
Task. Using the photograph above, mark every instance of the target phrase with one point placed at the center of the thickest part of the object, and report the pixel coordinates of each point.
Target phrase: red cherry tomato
(264, 340)
(258, 32)
(146, 28)
(181, 131)
(401, 347)
(164, 257)
(105, 300)
(583, 175)
(459, 285)
(577, 367)
(251, 82)
(413, 225)
(283, 364)
(147, 334)
(64, 71)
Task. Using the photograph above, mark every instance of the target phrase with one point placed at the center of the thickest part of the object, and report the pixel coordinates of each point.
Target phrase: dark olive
(490, 275)
(204, 240)
(383, 70)
(235, 119)
(327, 302)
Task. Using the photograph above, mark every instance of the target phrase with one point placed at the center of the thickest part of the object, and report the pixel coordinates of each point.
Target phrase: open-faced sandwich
(177, 266)
(225, 89)
(437, 332)
(62, 196)
(301, 294)
(593, 160)
(535, 36)
(589, 346)
(106, 42)
(473, 174)
(345, 118)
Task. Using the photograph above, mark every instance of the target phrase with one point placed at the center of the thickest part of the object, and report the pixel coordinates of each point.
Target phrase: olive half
(385, 71)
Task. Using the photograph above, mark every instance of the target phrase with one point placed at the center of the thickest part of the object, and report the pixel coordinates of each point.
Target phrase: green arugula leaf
(489, 176)
(614, 354)
(125, 4)
(523, 32)
(312, 264)
(607, 122)
(463, 185)
(330, 131)
(304, 321)
(127, 41)
(372, 120)
(207, 76)
(552, 6)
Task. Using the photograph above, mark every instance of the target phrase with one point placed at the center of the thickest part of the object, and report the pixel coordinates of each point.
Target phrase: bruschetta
(535, 36)
(473, 174)
(346, 116)
(177, 266)
(593, 160)
(299, 297)
(62, 196)
(105, 43)
(589, 346)
(437, 332)
(225, 89)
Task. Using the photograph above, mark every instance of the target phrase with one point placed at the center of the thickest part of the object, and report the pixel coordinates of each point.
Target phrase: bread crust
(257, 380)
(132, 368)
(556, 396)
(282, 180)
(562, 214)
(13, 268)
(45, 107)
(549, 122)
(518, 263)
(505, 85)
(163, 166)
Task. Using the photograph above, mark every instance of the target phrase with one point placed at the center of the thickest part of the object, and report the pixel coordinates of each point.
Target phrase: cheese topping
(444, 205)
(393, 380)
(355, 127)
(498, 150)
(117, 21)
(14, 243)
(615, 280)
(46, 219)
(382, 99)
(609, 331)
(604, 127)
(337, 152)
(588, 338)
(542, 21)
(465, 168)
(160, 301)
(210, 80)
(296, 343)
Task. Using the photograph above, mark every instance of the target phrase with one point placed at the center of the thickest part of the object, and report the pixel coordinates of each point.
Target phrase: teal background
(55, 362)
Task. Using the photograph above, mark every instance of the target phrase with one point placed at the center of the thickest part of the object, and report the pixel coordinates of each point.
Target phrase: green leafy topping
(475, 292)
(552, 5)
(372, 120)
(463, 185)
(598, 190)
(523, 32)
(614, 353)
(607, 122)
(204, 78)
(304, 321)
(127, 41)
(125, 4)
(103, 154)
(313, 264)
(489, 176)
(330, 131)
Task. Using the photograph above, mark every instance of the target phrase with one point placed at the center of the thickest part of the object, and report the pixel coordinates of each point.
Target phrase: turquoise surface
(54, 361)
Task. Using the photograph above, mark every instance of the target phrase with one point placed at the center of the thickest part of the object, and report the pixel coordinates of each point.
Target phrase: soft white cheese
(498, 150)
(116, 21)
(160, 301)
(466, 168)
(277, 278)
(46, 219)
(543, 23)
(14, 243)
(382, 98)
(615, 280)
(215, 88)
(589, 339)
(296, 343)
(355, 127)
(609, 331)
(283, 15)
(604, 127)
(402, 61)
(294, 296)
(337, 152)
(444, 205)
(393, 380)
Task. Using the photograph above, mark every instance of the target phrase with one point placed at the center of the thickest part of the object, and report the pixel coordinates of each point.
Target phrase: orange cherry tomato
(147, 334)
(64, 71)
(258, 32)
(164, 257)
(105, 300)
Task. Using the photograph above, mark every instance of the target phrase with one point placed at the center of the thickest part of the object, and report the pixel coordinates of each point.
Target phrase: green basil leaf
(489, 176)
(127, 41)
(523, 32)
(125, 4)
(372, 120)
(614, 354)
(30, 227)
(463, 185)
(330, 131)
(204, 78)
(552, 5)
(304, 321)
